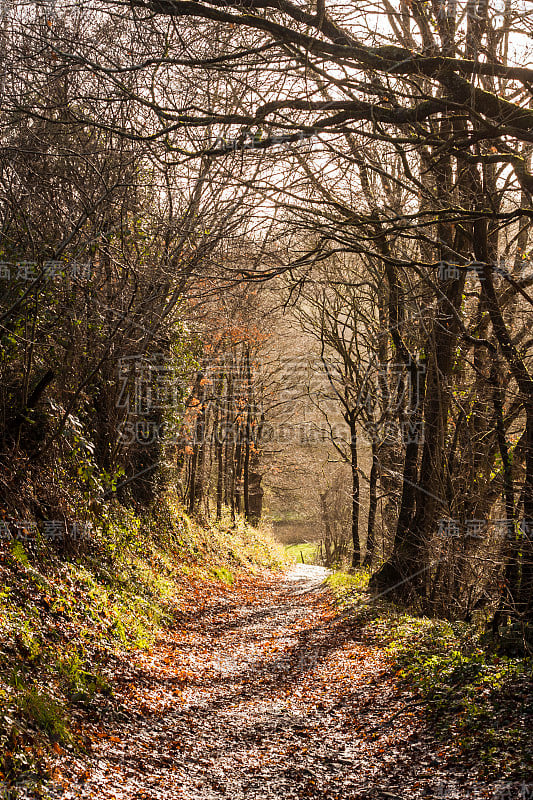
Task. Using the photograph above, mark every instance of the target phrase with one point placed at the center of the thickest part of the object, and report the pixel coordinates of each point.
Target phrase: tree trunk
(248, 436)
(372, 506)
(356, 558)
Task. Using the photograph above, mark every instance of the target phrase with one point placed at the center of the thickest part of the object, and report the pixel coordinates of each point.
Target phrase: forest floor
(263, 690)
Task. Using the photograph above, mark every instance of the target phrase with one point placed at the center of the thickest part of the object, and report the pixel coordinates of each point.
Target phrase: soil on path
(262, 691)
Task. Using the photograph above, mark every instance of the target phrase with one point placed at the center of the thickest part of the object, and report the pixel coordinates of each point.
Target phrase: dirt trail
(265, 692)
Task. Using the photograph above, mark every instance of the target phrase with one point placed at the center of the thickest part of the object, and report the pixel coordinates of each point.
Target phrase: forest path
(262, 691)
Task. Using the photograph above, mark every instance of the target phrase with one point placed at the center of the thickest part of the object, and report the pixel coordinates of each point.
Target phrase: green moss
(223, 575)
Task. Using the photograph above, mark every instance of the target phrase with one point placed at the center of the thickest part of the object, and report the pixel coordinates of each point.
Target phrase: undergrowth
(477, 691)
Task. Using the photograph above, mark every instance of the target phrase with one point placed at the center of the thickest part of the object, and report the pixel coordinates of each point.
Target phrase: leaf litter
(263, 690)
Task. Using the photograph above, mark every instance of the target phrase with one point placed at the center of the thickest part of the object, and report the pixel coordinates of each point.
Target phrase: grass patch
(45, 713)
(303, 552)
(345, 585)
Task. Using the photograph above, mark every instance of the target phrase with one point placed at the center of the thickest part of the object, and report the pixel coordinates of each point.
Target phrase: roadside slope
(69, 612)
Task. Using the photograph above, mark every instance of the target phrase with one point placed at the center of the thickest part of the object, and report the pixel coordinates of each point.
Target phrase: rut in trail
(264, 692)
